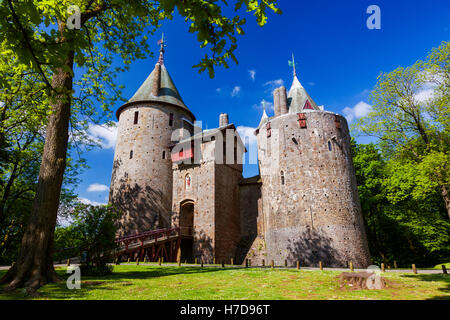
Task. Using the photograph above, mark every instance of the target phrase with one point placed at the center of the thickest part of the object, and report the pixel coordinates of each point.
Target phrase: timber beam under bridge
(152, 245)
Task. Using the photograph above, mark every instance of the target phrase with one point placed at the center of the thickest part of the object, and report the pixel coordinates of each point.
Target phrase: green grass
(439, 266)
(161, 283)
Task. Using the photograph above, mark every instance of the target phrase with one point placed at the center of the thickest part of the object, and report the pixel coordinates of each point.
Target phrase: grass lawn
(174, 283)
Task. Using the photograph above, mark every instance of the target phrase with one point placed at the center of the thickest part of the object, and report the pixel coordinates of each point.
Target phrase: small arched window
(164, 155)
(131, 154)
(282, 178)
(188, 181)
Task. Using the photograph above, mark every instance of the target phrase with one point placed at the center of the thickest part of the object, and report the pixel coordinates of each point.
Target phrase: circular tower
(141, 182)
(311, 207)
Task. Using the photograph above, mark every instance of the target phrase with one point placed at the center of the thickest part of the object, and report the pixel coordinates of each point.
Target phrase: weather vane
(161, 43)
(292, 64)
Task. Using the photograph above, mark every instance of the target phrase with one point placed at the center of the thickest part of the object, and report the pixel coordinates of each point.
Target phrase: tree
(410, 116)
(38, 33)
(23, 115)
(399, 227)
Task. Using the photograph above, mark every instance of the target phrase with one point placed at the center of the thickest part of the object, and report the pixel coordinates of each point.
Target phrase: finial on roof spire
(161, 50)
(292, 64)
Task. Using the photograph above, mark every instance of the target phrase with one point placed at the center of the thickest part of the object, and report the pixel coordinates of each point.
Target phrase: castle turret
(141, 183)
(311, 209)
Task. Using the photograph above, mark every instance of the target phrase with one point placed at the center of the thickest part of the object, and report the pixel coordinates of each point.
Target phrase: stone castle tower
(141, 183)
(310, 205)
(303, 206)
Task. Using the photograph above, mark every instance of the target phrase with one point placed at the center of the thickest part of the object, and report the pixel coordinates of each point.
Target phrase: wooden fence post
(444, 269)
(159, 261)
(298, 265)
(195, 262)
(68, 262)
(414, 269)
(351, 266)
(137, 261)
(320, 265)
(395, 264)
(382, 268)
(232, 261)
(272, 264)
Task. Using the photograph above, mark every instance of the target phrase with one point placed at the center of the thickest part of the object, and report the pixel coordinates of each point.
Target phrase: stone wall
(141, 183)
(215, 193)
(310, 201)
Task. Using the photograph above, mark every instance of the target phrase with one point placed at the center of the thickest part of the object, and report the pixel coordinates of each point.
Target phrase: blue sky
(338, 60)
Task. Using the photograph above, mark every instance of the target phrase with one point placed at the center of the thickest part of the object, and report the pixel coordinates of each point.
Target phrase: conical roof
(264, 119)
(298, 99)
(167, 92)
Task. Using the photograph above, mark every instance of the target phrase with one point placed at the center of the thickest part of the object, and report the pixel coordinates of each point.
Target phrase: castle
(304, 205)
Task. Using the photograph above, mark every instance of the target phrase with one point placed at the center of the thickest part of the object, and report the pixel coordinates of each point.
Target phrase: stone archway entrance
(187, 230)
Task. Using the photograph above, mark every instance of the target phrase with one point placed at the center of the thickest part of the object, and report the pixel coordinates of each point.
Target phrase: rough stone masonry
(304, 205)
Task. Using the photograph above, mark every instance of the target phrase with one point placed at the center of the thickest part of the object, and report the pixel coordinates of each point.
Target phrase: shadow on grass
(118, 280)
(442, 279)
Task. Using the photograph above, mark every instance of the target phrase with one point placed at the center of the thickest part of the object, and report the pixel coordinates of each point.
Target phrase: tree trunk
(446, 196)
(34, 266)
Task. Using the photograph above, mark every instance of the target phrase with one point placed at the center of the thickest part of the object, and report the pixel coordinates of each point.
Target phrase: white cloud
(236, 91)
(252, 74)
(260, 106)
(249, 139)
(272, 85)
(361, 109)
(90, 202)
(97, 187)
(219, 90)
(424, 95)
(106, 136)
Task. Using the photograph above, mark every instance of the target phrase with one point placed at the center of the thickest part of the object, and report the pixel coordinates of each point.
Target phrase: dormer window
(308, 106)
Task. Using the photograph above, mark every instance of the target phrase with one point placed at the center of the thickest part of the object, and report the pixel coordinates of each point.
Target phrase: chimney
(276, 102)
(223, 120)
(156, 85)
(283, 100)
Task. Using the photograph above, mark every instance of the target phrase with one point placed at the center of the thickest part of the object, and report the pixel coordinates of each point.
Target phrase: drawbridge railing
(152, 245)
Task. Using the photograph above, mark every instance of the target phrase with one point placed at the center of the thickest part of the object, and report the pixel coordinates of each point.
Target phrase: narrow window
(188, 182)
(282, 178)
(329, 145)
(136, 117)
(171, 120)
(131, 154)
(164, 155)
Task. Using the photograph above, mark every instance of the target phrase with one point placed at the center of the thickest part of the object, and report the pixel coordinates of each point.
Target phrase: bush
(95, 226)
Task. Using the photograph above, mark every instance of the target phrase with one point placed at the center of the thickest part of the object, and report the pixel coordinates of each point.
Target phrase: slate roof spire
(298, 99)
(158, 87)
